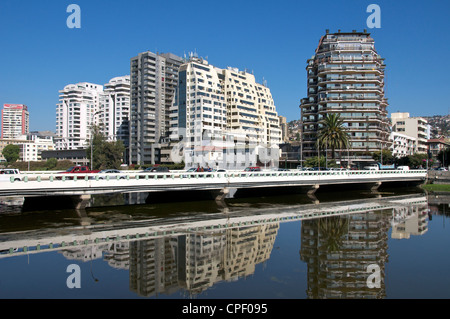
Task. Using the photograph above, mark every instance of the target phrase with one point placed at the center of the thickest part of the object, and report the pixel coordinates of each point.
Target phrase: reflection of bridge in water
(194, 252)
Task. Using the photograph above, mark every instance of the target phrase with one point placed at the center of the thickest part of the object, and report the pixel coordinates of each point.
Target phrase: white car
(7, 173)
(403, 168)
(371, 167)
(113, 174)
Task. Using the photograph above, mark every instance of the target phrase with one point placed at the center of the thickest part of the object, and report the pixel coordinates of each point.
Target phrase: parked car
(7, 173)
(156, 169)
(79, 170)
(403, 168)
(104, 173)
(252, 169)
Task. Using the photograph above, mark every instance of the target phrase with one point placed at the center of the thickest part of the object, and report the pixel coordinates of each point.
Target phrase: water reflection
(338, 251)
(190, 253)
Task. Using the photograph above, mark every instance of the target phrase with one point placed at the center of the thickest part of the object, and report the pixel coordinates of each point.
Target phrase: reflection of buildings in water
(153, 268)
(84, 253)
(227, 255)
(193, 262)
(197, 261)
(116, 254)
(247, 247)
(338, 251)
(407, 221)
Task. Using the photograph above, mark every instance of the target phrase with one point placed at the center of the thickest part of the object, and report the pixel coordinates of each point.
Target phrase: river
(346, 245)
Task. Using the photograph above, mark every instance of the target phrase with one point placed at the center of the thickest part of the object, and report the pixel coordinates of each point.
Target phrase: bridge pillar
(313, 189)
(222, 194)
(311, 193)
(374, 186)
(80, 206)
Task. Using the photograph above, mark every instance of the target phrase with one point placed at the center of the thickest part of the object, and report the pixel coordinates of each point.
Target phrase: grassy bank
(437, 187)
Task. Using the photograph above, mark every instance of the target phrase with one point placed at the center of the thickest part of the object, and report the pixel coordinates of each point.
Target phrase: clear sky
(40, 54)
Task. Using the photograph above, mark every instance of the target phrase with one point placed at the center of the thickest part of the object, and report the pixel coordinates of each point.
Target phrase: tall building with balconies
(154, 78)
(76, 112)
(115, 110)
(250, 108)
(415, 127)
(346, 76)
(216, 110)
(15, 120)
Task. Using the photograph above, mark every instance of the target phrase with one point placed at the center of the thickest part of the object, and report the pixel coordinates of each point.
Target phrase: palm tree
(332, 134)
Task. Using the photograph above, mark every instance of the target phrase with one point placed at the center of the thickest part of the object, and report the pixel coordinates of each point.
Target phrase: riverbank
(437, 187)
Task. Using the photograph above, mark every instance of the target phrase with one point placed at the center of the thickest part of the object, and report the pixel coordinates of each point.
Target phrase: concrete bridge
(54, 184)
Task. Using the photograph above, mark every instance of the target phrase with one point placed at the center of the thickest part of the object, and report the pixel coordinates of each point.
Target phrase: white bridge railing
(54, 183)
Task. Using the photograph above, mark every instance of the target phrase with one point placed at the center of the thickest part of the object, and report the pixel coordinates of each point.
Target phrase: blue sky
(40, 54)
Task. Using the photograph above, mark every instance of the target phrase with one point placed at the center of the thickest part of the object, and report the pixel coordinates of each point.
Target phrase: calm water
(342, 245)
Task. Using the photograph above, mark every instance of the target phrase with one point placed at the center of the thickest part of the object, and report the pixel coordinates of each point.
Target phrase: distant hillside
(440, 125)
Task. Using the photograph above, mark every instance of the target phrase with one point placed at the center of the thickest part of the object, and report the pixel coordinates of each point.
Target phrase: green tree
(319, 162)
(11, 153)
(104, 154)
(332, 135)
(51, 163)
(387, 157)
(415, 160)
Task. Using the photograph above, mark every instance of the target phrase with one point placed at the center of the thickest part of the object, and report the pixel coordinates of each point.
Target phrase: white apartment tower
(217, 109)
(15, 120)
(154, 78)
(76, 112)
(250, 108)
(115, 110)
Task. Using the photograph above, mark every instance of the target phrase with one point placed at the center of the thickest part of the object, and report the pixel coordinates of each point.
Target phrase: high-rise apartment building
(216, 109)
(76, 112)
(154, 78)
(415, 127)
(346, 77)
(250, 108)
(115, 110)
(15, 120)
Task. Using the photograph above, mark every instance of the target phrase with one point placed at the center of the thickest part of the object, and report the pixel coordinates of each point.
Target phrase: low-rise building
(402, 145)
(412, 126)
(435, 146)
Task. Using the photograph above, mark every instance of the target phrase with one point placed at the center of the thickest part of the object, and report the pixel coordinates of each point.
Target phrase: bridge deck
(74, 184)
